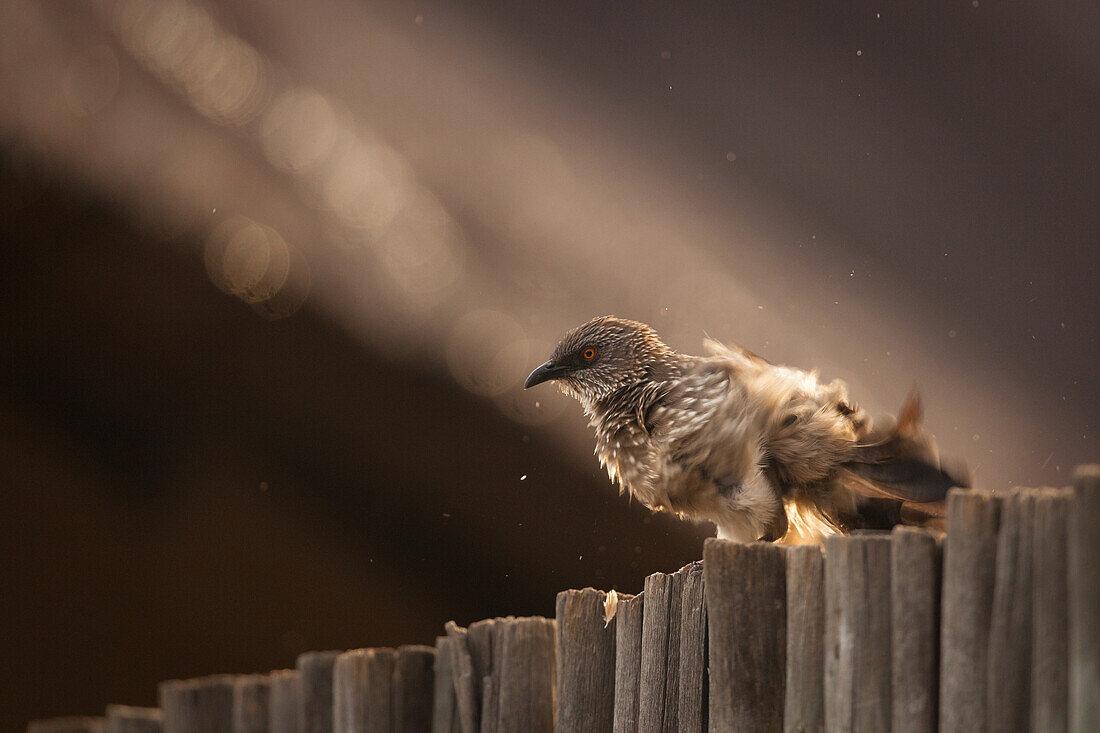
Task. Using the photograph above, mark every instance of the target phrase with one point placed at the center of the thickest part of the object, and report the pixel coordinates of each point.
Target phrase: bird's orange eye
(589, 354)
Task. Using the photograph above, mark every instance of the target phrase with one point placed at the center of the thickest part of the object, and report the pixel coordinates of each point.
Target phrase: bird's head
(607, 353)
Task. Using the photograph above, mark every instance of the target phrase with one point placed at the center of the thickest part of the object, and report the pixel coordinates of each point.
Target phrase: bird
(761, 450)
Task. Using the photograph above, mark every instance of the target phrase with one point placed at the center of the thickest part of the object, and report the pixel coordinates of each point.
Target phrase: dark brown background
(189, 488)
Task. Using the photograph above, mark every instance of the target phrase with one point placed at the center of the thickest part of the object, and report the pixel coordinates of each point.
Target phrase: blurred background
(274, 272)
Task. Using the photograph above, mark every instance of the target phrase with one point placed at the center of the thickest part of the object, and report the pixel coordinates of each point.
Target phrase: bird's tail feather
(901, 462)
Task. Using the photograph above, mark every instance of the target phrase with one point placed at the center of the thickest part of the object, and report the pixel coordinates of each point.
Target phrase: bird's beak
(547, 371)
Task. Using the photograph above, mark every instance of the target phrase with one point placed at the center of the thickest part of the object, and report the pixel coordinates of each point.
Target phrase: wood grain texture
(804, 694)
(251, 698)
(413, 685)
(362, 691)
(444, 704)
(479, 641)
(1050, 613)
(1008, 674)
(659, 675)
(915, 566)
(585, 663)
(1084, 601)
(969, 570)
(628, 659)
(857, 633)
(490, 704)
(315, 704)
(284, 700)
(467, 695)
(201, 705)
(525, 671)
(130, 719)
(747, 630)
(692, 706)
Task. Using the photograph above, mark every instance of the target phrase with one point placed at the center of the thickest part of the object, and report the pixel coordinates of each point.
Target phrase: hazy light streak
(567, 224)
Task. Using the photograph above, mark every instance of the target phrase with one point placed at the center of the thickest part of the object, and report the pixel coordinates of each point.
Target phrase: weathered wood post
(201, 705)
(969, 569)
(1008, 675)
(284, 699)
(628, 660)
(692, 706)
(251, 695)
(315, 705)
(444, 704)
(130, 719)
(68, 724)
(915, 565)
(362, 691)
(467, 697)
(857, 633)
(804, 699)
(1084, 600)
(747, 629)
(479, 641)
(1050, 613)
(659, 674)
(525, 670)
(490, 682)
(586, 663)
(413, 685)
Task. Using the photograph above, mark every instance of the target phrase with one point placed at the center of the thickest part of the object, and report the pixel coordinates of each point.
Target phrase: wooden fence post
(444, 705)
(315, 705)
(467, 698)
(692, 706)
(1050, 613)
(857, 633)
(480, 641)
(659, 675)
(586, 663)
(804, 698)
(969, 569)
(362, 691)
(525, 669)
(284, 700)
(628, 659)
(747, 629)
(413, 685)
(1008, 675)
(1084, 600)
(915, 565)
(251, 695)
(68, 724)
(130, 719)
(201, 705)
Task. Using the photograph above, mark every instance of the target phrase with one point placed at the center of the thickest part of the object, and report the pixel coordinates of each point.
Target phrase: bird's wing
(703, 424)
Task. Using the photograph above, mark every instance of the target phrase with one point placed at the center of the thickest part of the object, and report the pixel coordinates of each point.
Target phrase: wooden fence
(994, 627)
